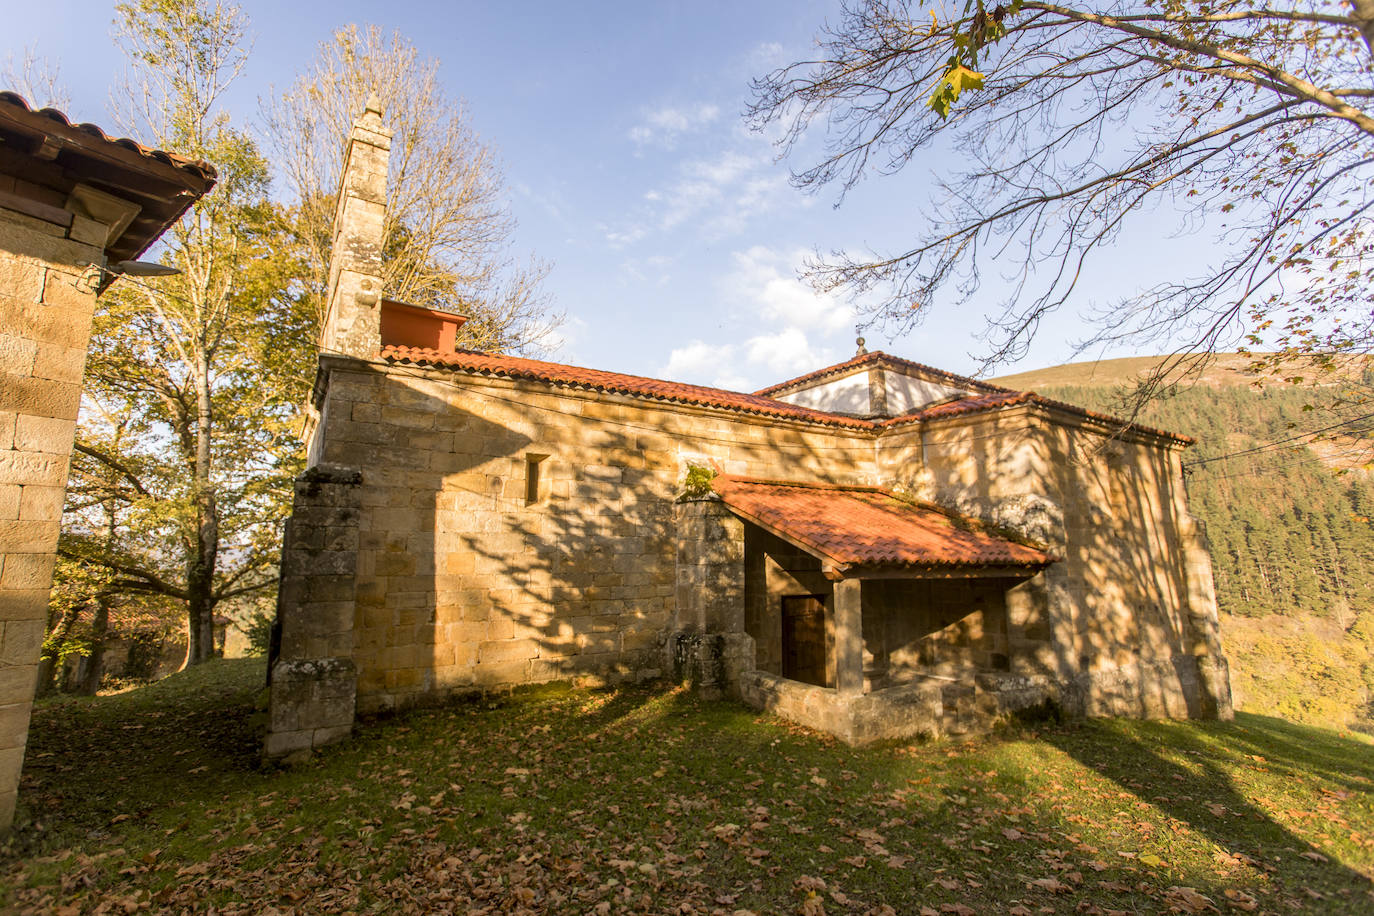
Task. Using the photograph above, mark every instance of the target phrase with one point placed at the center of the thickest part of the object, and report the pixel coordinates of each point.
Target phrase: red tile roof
(677, 392)
(55, 157)
(197, 167)
(878, 357)
(973, 404)
(517, 367)
(866, 527)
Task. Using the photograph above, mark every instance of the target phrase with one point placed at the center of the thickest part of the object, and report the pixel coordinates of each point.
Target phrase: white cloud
(701, 363)
(619, 238)
(766, 56)
(724, 192)
(663, 126)
(563, 341)
(785, 354)
(767, 280)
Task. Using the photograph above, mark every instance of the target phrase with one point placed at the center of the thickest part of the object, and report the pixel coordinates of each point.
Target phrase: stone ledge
(325, 473)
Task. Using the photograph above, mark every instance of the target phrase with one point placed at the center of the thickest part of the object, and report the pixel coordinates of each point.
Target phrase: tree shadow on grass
(92, 763)
(1218, 778)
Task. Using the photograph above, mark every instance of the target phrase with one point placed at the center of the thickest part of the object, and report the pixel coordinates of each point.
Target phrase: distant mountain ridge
(1224, 369)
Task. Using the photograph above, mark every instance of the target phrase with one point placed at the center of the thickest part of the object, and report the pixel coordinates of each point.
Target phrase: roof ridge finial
(862, 349)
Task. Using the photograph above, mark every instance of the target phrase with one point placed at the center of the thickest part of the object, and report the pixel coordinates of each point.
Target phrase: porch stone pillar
(849, 637)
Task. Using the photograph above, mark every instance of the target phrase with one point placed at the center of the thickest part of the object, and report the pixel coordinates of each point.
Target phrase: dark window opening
(533, 478)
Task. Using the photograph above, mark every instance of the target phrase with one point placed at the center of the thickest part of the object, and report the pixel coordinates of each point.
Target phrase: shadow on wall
(1117, 605)
(511, 536)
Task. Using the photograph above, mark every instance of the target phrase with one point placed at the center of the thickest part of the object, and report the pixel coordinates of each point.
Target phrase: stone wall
(948, 627)
(464, 582)
(1129, 610)
(47, 300)
(708, 645)
(782, 569)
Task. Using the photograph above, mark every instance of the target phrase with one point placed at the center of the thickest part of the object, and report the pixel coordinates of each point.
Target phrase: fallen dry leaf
(1188, 900)
(1242, 901)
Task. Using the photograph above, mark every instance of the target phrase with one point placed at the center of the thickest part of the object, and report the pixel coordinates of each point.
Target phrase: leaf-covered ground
(649, 801)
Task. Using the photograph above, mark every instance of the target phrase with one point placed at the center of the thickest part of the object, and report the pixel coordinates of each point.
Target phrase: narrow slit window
(533, 478)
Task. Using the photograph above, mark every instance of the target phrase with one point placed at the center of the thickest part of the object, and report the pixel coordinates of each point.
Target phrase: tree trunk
(47, 663)
(1364, 21)
(200, 572)
(95, 664)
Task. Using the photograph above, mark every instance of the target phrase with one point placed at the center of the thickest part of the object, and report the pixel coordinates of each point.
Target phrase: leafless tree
(1255, 122)
(37, 79)
(448, 228)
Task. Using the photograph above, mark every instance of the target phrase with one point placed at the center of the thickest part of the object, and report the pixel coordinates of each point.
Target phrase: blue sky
(674, 236)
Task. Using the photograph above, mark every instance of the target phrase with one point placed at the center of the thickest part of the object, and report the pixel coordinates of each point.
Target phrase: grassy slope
(1227, 369)
(650, 801)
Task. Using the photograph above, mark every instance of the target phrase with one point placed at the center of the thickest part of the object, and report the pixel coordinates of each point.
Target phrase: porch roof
(866, 530)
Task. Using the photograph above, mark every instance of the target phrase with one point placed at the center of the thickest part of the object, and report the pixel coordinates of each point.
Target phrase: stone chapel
(877, 549)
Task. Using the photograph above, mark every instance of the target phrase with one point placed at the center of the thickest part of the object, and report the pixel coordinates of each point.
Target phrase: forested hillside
(1291, 525)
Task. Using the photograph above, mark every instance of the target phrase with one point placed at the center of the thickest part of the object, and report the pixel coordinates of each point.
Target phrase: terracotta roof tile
(974, 404)
(868, 527)
(878, 357)
(615, 382)
(196, 167)
(658, 389)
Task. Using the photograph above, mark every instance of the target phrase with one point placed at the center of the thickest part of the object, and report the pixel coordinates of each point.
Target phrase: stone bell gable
(352, 323)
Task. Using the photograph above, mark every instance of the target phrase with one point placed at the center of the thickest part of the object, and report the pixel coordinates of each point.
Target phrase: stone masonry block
(280, 744)
(17, 355)
(17, 681)
(501, 674)
(44, 434)
(23, 604)
(20, 278)
(64, 291)
(28, 537)
(31, 571)
(58, 325)
(14, 722)
(505, 650)
(41, 504)
(313, 693)
(9, 500)
(41, 469)
(59, 363)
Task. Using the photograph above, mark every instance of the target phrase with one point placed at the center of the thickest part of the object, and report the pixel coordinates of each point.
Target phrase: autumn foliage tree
(1068, 120)
(185, 447)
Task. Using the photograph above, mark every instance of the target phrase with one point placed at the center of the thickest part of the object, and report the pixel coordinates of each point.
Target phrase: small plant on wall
(697, 483)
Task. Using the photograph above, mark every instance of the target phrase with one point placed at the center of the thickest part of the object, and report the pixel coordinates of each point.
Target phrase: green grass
(564, 801)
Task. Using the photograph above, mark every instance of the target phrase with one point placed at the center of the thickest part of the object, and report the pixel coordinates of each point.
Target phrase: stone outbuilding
(75, 207)
(878, 549)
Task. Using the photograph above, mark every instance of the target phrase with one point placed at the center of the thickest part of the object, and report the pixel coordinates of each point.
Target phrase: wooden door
(803, 639)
